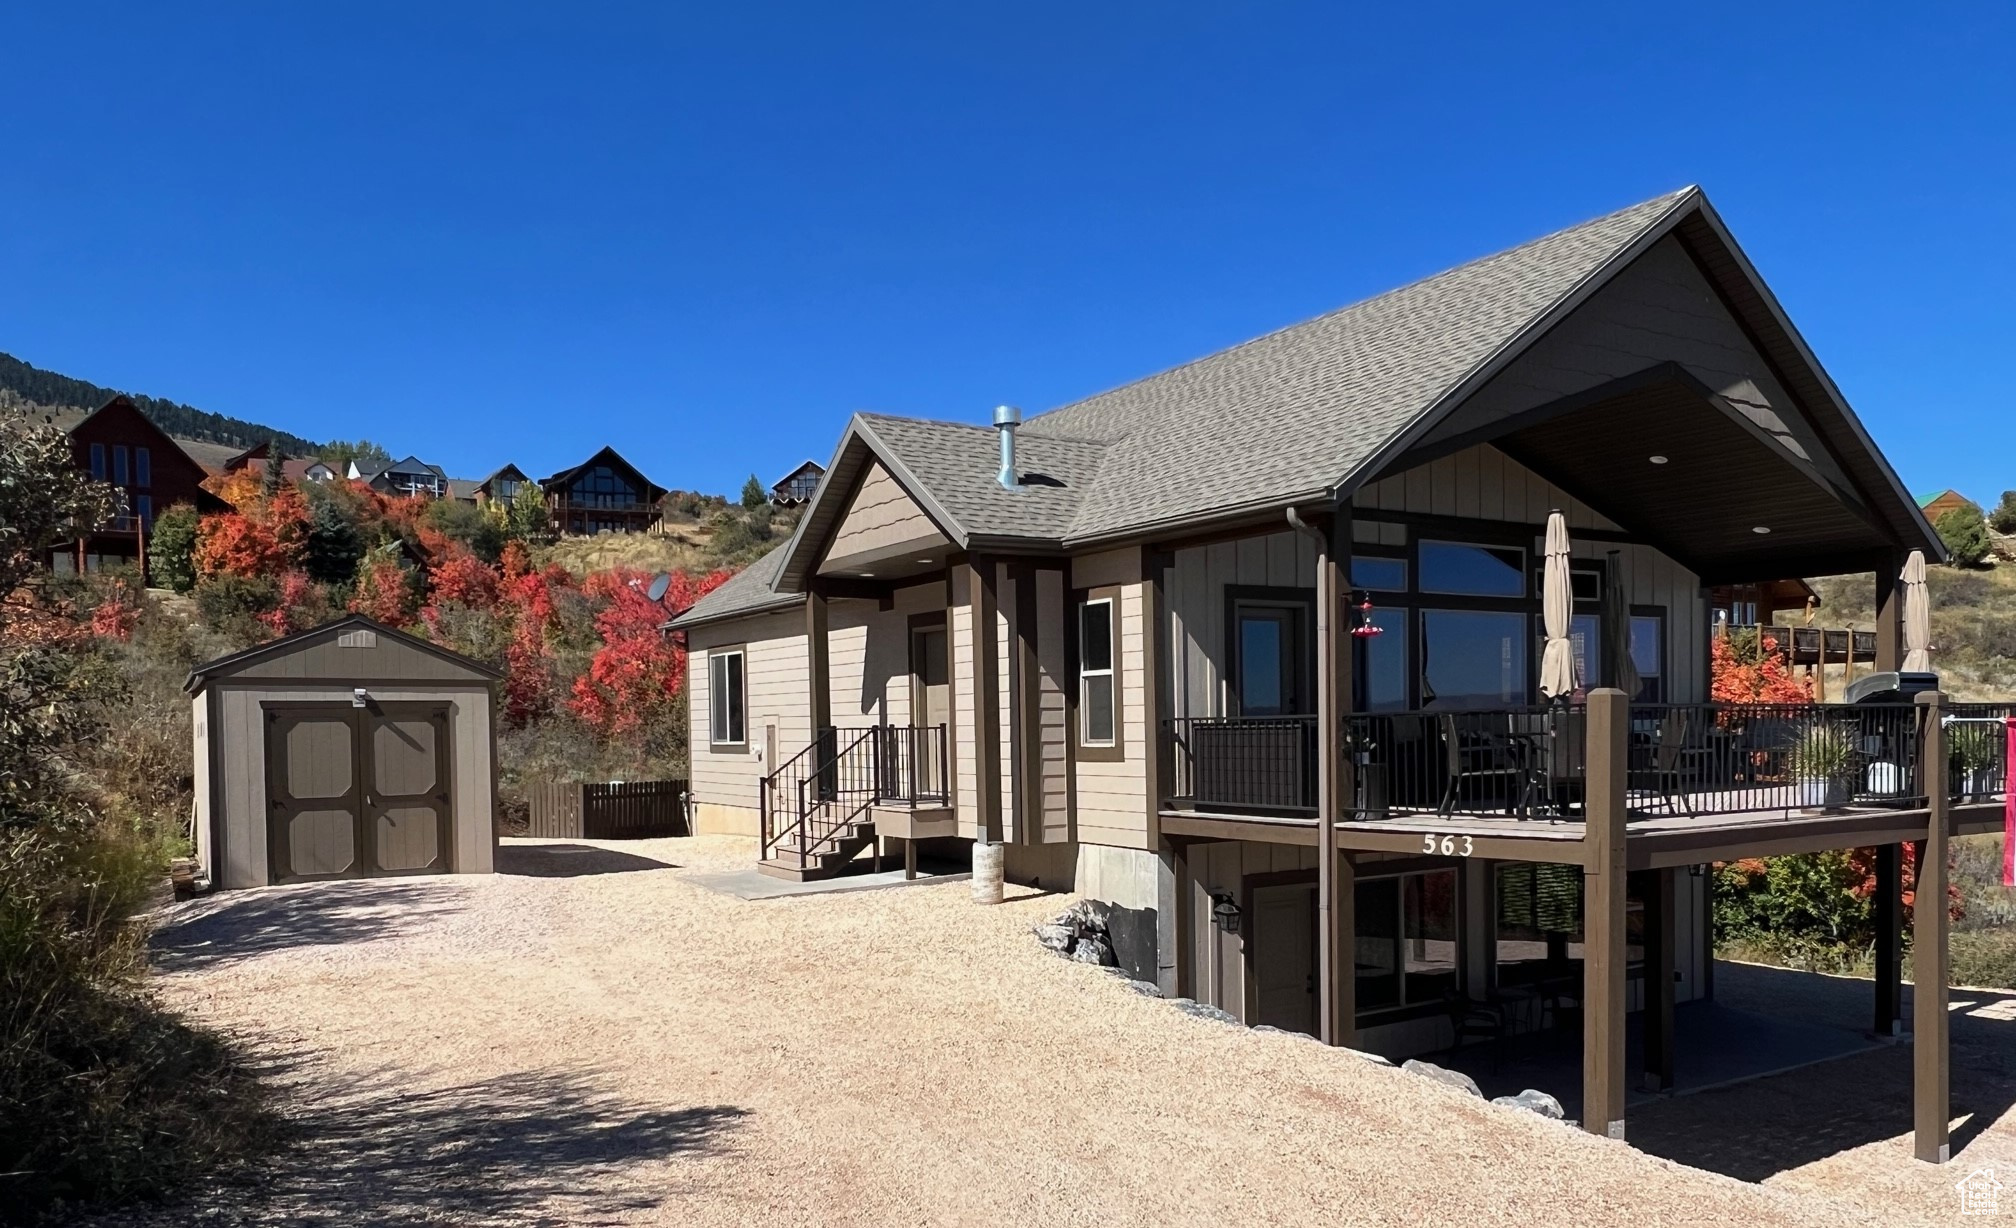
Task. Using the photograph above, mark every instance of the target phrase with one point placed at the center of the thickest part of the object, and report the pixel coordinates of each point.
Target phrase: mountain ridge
(58, 391)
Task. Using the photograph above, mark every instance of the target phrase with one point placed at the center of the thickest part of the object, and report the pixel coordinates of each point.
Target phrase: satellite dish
(659, 583)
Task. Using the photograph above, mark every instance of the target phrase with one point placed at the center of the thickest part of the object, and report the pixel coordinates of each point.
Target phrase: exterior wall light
(1225, 911)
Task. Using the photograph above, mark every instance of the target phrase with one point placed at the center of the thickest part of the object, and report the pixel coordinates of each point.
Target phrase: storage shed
(349, 751)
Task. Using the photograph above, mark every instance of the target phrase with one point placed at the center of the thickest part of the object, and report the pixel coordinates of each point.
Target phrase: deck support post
(1930, 961)
(1603, 896)
(1889, 620)
(909, 857)
(1659, 969)
(1889, 901)
(1336, 979)
(982, 586)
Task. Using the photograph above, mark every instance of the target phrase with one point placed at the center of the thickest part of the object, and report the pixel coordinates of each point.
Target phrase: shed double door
(357, 792)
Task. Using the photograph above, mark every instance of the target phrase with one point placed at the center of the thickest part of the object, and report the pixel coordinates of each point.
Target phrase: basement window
(728, 722)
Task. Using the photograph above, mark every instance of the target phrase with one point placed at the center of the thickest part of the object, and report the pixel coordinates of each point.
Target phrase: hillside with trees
(53, 391)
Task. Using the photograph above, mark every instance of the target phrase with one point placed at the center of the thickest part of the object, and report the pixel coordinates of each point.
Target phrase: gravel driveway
(586, 1038)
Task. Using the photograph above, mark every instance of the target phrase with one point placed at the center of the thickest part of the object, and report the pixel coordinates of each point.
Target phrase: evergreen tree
(334, 545)
(753, 494)
(171, 547)
(2003, 518)
(1965, 533)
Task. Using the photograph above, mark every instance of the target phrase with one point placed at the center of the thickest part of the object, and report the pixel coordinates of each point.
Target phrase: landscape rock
(1086, 915)
(1449, 1078)
(1058, 938)
(1534, 1102)
(1377, 1059)
(1202, 1010)
(1093, 951)
(1147, 989)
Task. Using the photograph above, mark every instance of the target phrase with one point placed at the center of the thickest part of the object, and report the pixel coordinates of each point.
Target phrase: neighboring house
(1940, 502)
(119, 445)
(411, 476)
(797, 486)
(292, 468)
(603, 494)
(1099, 638)
(501, 486)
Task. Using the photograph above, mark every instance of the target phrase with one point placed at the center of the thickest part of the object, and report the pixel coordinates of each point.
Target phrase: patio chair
(1482, 1021)
(1477, 754)
(1676, 764)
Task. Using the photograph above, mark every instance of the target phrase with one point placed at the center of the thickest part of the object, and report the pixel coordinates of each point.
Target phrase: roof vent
(1006, 419)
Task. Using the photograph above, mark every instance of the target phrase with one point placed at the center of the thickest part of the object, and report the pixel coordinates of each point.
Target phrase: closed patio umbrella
(1623, 670)
(1917, 616)
(1557, 609)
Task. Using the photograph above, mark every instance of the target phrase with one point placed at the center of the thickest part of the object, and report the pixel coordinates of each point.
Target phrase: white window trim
(1110, 673)
(714, 730)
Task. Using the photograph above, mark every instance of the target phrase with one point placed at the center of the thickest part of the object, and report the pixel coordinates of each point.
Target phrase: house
(797, 487)
(603, 494)
(501, 486)
(1939, 502)
(411, 476)
(119, 445)
(292, 468)
(1249, 650)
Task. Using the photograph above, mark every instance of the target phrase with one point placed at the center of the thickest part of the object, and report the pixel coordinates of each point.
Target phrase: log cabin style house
(1250, 650)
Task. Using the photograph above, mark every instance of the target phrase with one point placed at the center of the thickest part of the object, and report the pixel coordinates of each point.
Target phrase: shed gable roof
(288, 645)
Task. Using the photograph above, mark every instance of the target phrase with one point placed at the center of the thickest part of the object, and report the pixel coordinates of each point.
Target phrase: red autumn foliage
(637, 671)
(383, 593)
(463, 578)
(264, 537)
(1864, 863)
(1744, 673)
(303, 604)
(115, 617)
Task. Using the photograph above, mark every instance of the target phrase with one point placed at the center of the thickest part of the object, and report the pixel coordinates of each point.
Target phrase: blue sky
(705, 234)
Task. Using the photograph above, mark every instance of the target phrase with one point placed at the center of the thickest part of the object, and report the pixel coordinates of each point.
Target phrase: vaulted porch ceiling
(1682, 469)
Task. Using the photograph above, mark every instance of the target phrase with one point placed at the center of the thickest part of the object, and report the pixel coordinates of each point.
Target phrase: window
(1097, 698)
(1406, 944)
(1474, 659)
(143, 468)
(1648, 654)
(98, 461)
(507, 489)
(145, 505)
(1538, 928)
(728, 724)
(1382, 671)
(1380, 575)
(1271, 658)
(602, 487)
(119, 464)
(1473, 571)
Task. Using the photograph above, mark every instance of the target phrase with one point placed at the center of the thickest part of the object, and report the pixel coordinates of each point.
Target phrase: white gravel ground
(617, 1046)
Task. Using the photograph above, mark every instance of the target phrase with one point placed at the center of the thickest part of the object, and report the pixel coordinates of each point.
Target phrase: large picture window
(1473, 571)
(1098, 698)
(728, 722)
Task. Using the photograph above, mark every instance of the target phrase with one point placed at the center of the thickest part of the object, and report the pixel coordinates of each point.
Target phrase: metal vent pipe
(1006, 419)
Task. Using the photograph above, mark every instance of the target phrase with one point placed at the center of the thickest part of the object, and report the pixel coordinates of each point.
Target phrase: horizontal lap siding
(1053, 717)
(1113, 797)
(778, 694)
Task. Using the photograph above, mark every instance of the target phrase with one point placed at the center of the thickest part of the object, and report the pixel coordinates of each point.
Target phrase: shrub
(2003, 518)
(466, 525)
(1965, 533)
(171, 550)
(103, 1096)
(234, 606)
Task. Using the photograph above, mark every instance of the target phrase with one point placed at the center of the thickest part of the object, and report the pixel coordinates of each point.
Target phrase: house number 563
(1448, 846)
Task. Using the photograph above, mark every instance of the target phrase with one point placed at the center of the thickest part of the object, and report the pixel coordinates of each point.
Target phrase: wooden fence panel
(634, 809)
(555, 811)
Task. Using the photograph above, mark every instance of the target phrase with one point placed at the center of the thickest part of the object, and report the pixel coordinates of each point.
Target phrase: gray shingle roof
(1296, 411)
(746, 592)
(1287, 416)
(960, 464)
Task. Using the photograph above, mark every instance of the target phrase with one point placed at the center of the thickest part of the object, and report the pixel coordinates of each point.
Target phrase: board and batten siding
(1478, 483)
(241, 768)
(363, 657)
(1661, 309)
